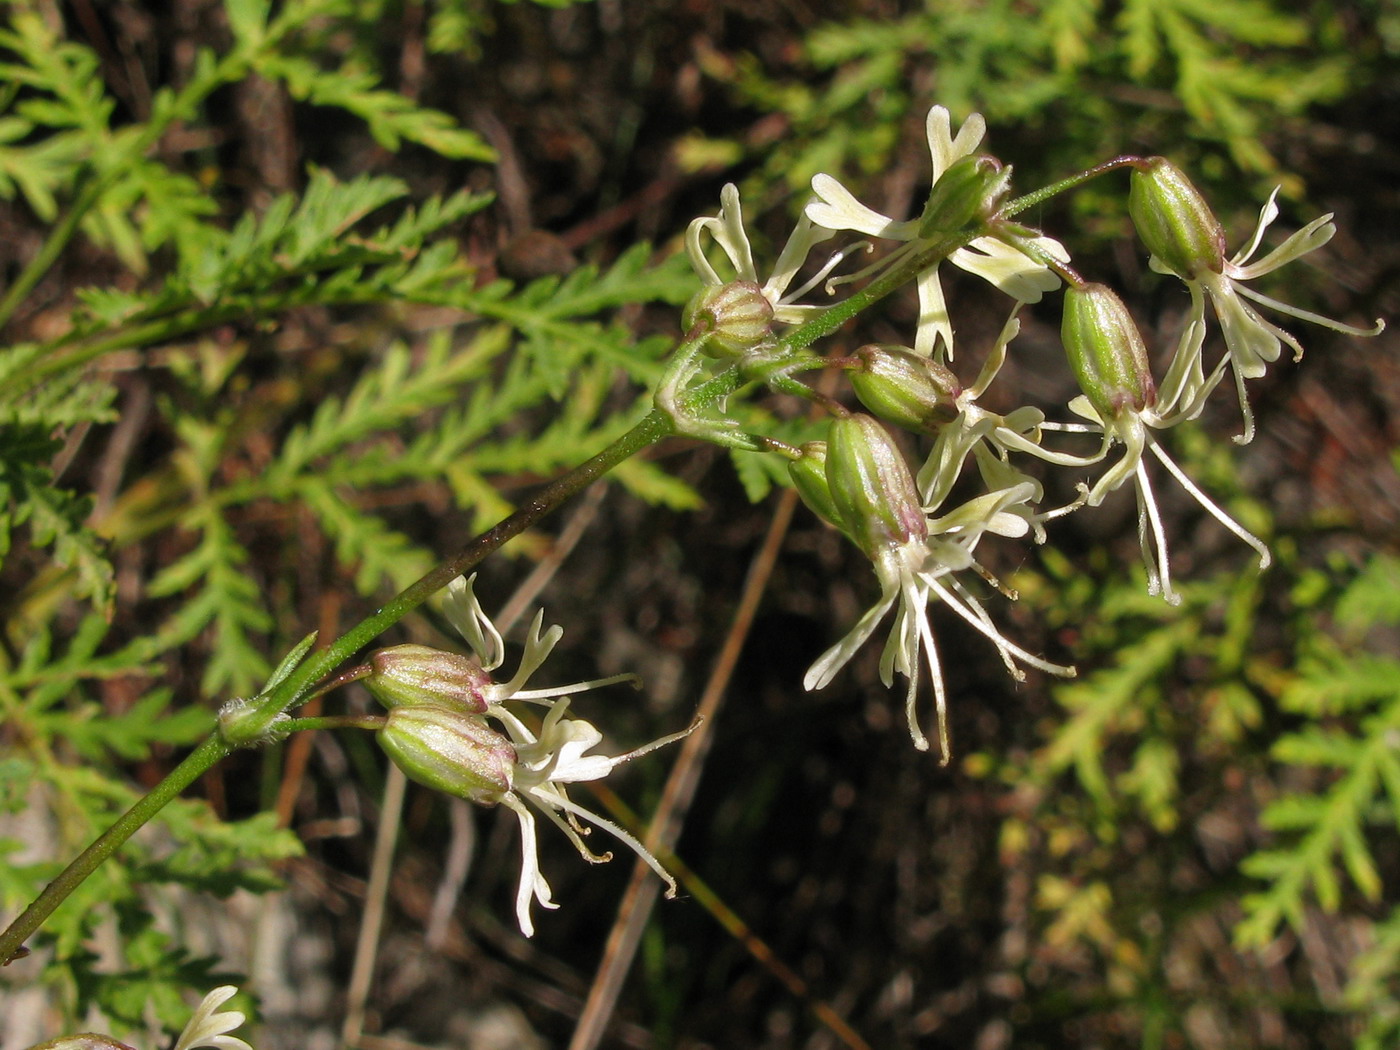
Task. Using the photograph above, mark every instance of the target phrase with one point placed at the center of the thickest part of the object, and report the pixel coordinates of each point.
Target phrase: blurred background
(1193, 845)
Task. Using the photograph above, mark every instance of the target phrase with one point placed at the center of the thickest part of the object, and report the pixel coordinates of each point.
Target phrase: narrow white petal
(1253, 342)
(940, 697)
(805, 236)
(1311, 237)
(1151, 533)
(837, 209)
(1267, 214)
(532, 884)
(1211, 507)
(944, 149)
(983, 625)
(835, 658)
(1018, 276)
(538, 645)
(464, 611)
(695, 248)
(935, 324)
(996, 357)
(208, 1028)
(732, 236)
(1308, 315)
(625, 837)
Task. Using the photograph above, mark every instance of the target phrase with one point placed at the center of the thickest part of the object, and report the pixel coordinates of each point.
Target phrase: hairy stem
(1033, 198)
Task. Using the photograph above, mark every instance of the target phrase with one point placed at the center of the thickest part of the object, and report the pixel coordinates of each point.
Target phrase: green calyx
(901, 387)
(414, 675)
(738, 315)
(871, 487)
(1174, 220)
(1106, 351)
(449, 751)
(808, 473)
(968, 192)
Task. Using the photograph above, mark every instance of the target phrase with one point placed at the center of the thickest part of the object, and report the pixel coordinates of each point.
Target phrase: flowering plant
(925, 507)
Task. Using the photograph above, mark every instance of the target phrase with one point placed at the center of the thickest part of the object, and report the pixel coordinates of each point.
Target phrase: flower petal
(532, 884)
(835, 658)
(464, 612)
(207, 1028)
(1310, 238)
(934, 321)
(1267, 214)
(1012, 272)
(943, 148)
(837, 209)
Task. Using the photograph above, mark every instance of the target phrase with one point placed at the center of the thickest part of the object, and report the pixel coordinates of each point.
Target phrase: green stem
(1033, 198)
(199, 760)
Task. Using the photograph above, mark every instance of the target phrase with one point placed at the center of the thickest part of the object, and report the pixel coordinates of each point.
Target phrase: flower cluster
(857, 479)
(449, 727)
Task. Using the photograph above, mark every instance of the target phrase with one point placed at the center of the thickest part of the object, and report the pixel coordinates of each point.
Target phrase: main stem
(252, 721)
(179, 778)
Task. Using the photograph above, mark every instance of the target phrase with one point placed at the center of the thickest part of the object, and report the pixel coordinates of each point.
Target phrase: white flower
(1185, 239)
(545, 763)
(727, 231)
(207, 1028)
(465, 613)
(921, 568)
(1124, 405)
(1016, 274)
(1253, 342)
(448, 744)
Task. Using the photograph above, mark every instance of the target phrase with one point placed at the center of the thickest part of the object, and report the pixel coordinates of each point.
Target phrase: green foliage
(56, 516)
(338, 391)
(1163, 747)
(1347, 701)
(326, 372)
(1099, 78)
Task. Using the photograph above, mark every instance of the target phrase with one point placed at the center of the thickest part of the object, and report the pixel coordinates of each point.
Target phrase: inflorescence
(451, 725)
(923, 550)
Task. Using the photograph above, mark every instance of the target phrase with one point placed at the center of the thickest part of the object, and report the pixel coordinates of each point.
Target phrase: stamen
(1209, 505)
(1159, 580)
(836, 259)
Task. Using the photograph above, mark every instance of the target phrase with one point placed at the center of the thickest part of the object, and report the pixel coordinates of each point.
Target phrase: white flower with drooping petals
(1186, 240)
(1011, 270)
(545, 763)
(449, 745)
(916, 557)
(727, 231)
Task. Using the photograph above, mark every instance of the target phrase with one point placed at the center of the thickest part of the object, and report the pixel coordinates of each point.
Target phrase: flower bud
(449, 751)
(738, 313)
(1106, 351)
(1174, 220)
(901, 387)
(414, 675)
(967, 192)
(809, 479)
(871, 486)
